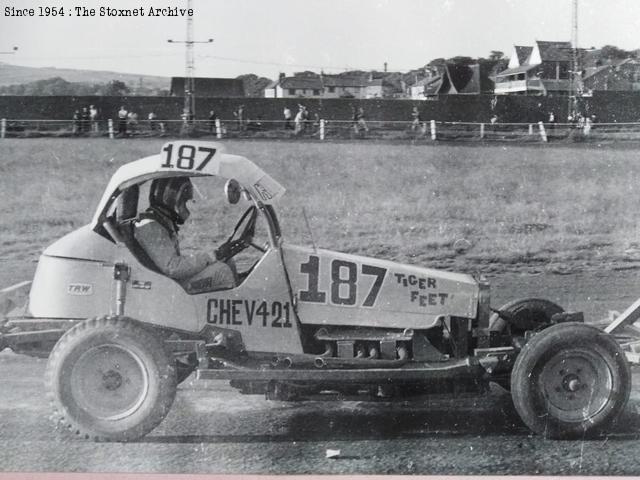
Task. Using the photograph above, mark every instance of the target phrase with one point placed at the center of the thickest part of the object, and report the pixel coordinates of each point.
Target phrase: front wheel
(111, 379)
(570, 380)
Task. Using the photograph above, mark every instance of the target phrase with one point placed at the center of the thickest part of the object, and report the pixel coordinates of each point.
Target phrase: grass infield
(459, 207)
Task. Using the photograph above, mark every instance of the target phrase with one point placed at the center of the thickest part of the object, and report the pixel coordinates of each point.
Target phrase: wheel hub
(576, 384)
(109, 381)
(112, 380)
(572, 383)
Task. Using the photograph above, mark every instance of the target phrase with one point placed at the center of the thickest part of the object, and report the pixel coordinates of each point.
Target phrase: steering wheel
(244, 240)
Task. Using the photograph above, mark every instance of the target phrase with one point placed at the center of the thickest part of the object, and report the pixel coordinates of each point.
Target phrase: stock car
(302, 322)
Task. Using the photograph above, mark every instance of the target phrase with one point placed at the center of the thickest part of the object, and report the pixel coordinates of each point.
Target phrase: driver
(157, 233)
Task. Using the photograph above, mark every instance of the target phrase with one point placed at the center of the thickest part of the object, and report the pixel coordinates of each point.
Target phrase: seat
(126, 216)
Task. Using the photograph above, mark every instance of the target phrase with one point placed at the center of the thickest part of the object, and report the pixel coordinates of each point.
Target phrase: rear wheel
(110, 378)
(525, 314)
(570, 380)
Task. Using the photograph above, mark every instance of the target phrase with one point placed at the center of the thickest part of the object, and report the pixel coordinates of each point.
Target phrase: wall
(607, 106)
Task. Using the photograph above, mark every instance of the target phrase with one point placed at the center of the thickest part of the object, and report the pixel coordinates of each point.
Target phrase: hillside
(16, 74)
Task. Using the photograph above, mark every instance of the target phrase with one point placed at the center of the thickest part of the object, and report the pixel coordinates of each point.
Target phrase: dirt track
(220, 431)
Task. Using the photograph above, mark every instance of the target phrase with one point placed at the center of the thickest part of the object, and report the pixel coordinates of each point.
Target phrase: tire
(570, 381)
(528, 314)
(111, 379)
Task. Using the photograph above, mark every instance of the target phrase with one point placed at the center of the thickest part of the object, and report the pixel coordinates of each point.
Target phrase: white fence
(321, 129)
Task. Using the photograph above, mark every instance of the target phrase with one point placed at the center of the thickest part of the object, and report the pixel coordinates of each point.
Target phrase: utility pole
(575, 78)
(190, 66)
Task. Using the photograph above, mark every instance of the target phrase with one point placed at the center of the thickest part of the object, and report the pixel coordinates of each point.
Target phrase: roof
(464, 78)
(556, 85)
(301, 82)
(434, 86)
(513, 71)
(592, 71)
(554, 51)
(336, 81)
(523, 54)
(209, 87)
(253, 179)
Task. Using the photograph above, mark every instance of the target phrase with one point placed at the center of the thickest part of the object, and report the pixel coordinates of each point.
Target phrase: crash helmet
(170, 195)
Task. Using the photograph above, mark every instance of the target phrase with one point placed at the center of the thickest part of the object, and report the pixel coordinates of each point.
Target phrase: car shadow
(369, 421)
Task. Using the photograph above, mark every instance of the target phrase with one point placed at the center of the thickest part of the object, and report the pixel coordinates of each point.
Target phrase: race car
(301, 323)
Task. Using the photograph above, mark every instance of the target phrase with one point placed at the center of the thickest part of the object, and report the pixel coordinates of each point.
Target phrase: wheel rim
(576, 385)
(109, 382)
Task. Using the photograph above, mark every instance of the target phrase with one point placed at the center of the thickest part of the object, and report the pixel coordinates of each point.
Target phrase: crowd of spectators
(300, 121)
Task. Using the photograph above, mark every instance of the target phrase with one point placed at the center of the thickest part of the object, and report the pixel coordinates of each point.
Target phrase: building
(312, 85)
(209, 87)
(618, 75)
(453, 79)
(542, 69)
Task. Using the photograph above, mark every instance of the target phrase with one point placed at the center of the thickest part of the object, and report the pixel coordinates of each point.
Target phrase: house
(542, 69)
(209, 87)
(337, 86)
(300, 85)
(312, 85)
(617, 75)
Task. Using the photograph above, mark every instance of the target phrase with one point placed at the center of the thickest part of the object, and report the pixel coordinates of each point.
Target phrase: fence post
(322, 129)
(110, 128)
(3, 127)
(218, 129)
(543, 133)
(482, 130)
(433, 129)
(530, 129)
(587, 127)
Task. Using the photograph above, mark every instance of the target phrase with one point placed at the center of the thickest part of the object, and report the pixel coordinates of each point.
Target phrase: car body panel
(335, 288)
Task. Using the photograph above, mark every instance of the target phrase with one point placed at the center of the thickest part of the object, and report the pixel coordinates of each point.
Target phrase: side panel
(70, 288)
(340, 289)
(260, 309)
(157, 299)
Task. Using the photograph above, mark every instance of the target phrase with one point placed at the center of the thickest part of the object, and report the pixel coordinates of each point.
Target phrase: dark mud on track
(213, 429)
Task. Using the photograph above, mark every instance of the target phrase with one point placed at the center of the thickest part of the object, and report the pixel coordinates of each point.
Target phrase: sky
(267, 37)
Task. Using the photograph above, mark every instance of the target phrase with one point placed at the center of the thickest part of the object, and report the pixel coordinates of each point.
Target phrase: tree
(496, 55)
(462, 60)
(115, 88)
(613, 52)
(253, 85)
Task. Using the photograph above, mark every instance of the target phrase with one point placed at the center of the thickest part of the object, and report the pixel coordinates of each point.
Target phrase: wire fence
(322, 130)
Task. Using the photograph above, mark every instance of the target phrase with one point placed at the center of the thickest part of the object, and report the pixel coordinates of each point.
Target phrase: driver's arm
(162, 249)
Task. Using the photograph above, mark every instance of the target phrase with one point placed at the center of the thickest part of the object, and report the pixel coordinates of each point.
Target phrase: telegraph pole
(190, 66)
(574, 78)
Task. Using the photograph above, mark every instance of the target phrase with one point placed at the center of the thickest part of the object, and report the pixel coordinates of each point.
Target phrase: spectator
(84, 120)
(360, 121)
(552, 120)
(416, 119)
(76, 122)
(287, 118)
(306, 118)
(152, 121)
(299, 119)
(212, 121)
(494, 121)
(240, 116)
(93, 116)
(122, 121)
(132, 122)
